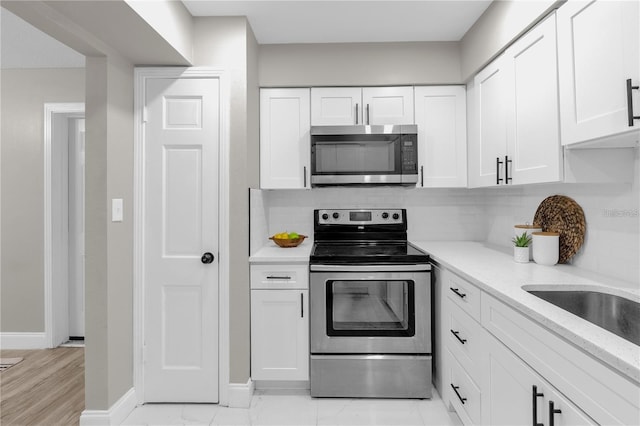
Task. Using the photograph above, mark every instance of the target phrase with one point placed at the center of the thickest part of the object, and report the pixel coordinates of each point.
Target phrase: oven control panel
(361, 217)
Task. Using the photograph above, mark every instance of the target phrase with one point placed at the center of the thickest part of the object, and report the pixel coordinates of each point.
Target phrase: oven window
(370, 308)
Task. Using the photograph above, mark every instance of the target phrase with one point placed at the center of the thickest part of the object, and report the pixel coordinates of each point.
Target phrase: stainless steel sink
(613, 313)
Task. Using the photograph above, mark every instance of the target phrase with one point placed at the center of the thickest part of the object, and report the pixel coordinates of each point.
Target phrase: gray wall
(499, 25)
(229, 44)
(24, 92)
(109, 246)
(359, 64)
(416, 63)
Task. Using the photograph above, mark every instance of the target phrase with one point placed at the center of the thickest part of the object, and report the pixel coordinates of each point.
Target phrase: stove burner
(352, 240)
(366, 252)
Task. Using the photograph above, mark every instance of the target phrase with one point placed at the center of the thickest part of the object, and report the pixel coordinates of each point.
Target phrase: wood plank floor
(46, 388)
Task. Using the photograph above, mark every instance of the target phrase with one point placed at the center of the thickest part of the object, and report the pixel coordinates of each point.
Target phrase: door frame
(141, 75)
(54, 313)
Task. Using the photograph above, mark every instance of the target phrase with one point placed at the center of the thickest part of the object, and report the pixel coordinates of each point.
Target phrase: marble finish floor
(297, 408)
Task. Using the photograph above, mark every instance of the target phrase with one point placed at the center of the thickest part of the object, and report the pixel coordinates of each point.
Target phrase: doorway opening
(64, 223)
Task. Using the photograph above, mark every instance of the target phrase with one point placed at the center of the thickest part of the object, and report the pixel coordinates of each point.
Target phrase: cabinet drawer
(279, 276)
(464, 340)
(464, 395)
(463, 294)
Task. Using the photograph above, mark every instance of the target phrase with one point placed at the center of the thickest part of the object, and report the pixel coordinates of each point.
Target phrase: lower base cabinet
(280, 323)
(514, 394)
(279, 335)
(506, 370)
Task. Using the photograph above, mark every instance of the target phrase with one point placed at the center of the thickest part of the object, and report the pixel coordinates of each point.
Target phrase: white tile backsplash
(612, 240)
(611, 212)
(454, 214)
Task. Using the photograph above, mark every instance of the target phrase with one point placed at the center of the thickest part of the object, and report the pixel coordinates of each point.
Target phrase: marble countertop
(271, 253)
(493, 270)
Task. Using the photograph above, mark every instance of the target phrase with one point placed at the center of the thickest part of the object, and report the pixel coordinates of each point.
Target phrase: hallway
(45, 388)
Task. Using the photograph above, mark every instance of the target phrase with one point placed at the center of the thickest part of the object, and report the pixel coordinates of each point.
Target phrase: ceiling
(302, 21)
(332, 21)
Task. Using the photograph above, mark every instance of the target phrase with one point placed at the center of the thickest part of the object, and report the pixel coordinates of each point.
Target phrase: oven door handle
(370, 268)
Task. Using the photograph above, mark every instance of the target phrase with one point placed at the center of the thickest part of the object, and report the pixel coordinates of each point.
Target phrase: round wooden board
(559, 213)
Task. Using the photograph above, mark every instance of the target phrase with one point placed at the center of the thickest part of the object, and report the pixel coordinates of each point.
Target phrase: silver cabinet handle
(356, 113)
(368, 121)
(278, 277)
(301, 305)
(304, 176)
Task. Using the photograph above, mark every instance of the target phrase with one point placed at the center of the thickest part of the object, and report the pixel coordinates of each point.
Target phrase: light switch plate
(117, 210)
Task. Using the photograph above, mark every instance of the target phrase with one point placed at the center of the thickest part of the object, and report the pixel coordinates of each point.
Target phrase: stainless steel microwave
(364, 155)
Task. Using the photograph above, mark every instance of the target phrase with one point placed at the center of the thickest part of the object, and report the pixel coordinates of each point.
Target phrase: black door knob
(207, 258)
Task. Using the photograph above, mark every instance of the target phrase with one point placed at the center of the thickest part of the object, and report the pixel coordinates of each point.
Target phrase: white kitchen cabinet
(463, 338)
(488, 139)
(388, 105)
(508, 393)
(533, 124)
(560, 367)
(334, 106)
(440, 332)
(284, 138)
(441, 116)
(491, 356)
(279, 323)
(598, 50)
(515, 138)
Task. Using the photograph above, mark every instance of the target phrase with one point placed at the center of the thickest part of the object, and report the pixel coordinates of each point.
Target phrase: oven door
(363, 310)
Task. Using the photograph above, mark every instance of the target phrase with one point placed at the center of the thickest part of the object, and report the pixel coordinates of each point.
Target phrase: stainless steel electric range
(370, 307)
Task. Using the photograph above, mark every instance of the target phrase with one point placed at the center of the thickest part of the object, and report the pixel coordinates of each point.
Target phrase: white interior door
(181, 224)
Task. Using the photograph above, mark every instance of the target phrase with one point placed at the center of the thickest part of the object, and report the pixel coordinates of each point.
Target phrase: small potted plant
(521, 247)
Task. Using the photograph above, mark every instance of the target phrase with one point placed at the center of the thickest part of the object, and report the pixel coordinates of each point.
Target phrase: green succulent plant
(522, 240)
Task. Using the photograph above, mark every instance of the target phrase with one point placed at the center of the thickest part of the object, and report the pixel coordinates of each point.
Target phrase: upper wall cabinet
(514, 133)
(284, 138)
(598, 52)
(339, 106)
(441, 117)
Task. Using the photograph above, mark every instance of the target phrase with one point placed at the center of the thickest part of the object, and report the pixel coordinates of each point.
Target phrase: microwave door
(347, 162)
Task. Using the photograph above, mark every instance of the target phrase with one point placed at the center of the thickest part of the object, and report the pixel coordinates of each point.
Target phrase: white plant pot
(521, 254)
(546, 248)
(529, 229)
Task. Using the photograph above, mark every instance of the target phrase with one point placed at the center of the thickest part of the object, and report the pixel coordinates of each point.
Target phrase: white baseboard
(240, 394)
(114, 415)
(23, 341)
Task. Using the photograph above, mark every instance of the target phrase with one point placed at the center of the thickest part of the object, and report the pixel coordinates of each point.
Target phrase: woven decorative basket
(561, 214)
(288, 242)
